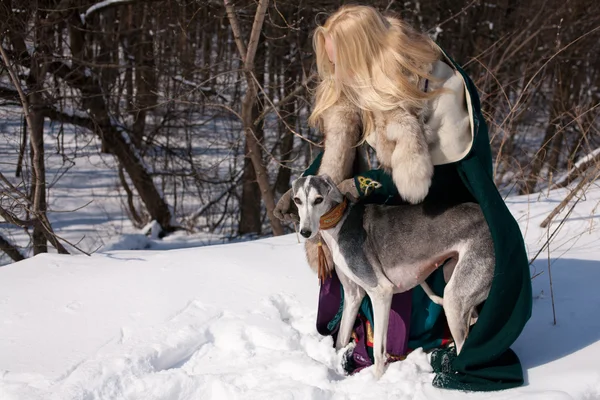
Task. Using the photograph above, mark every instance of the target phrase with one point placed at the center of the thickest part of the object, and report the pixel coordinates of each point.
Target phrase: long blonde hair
(379, 64)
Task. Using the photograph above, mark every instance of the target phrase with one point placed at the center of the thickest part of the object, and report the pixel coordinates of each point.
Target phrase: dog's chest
(347, 246)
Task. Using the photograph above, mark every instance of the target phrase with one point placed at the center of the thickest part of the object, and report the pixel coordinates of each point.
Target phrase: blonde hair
(379, 63)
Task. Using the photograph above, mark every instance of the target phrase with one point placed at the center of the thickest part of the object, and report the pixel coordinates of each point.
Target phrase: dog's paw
(343, 357)
(378, 370)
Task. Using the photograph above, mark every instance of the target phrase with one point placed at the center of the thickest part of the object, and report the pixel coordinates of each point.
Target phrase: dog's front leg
(382, 302)
(353, 295)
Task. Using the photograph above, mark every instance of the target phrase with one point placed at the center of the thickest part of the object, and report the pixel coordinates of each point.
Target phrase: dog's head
(314, 196)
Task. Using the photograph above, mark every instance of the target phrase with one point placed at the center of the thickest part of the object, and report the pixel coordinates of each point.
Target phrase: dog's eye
(318, 200)
(297, 200)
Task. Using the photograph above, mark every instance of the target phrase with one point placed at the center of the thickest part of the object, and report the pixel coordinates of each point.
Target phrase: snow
(187, 82)
(435, 34)
(587, 158)
(237, 321)
(99, 6)
(583, 160)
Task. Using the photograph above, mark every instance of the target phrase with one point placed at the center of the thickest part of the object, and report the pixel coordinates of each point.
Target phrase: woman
(383, 83)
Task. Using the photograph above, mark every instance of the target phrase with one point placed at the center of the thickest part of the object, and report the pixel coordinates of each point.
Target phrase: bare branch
(11, 250)
(544, 65)
(10, 218)
(235, 27)
(16, 83)
(276, 107)
(578, 169)
(259, 18)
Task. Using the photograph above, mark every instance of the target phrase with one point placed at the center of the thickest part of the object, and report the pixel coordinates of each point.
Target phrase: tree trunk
(38, 173)
(36, 140)
(250, 220)
(250, 204)
(254, 148)
(22, 149)
(207, 35)
(145, 77)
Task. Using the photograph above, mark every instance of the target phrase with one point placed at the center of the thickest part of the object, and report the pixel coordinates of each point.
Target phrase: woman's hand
(348, 189)
(286, 209)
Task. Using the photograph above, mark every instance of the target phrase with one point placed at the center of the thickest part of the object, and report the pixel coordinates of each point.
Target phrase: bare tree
(254, 149)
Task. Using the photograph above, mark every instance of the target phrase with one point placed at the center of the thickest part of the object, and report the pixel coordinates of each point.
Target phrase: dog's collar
(333, 216)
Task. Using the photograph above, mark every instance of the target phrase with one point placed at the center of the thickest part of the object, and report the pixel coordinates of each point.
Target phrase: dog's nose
(305, 232)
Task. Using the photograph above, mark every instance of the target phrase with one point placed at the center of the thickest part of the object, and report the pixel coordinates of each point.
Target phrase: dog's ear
(334, 192)
(327, 179)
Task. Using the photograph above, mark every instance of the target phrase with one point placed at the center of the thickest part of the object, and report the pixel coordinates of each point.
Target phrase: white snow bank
(238, 322)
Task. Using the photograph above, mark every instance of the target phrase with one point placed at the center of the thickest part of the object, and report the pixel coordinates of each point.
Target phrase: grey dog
(381, 250)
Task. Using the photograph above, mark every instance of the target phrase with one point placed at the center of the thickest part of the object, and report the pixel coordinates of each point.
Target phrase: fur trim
(341, 126)
(401, 142)
(448, 117)
(412, 168)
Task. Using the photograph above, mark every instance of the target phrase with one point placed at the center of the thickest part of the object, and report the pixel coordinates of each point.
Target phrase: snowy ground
(237, 321)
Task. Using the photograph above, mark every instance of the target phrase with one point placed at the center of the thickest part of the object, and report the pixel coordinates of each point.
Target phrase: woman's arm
(341, 128)
(375, 183)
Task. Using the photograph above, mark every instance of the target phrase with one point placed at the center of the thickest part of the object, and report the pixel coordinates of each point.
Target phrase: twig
(464, 9)
(285, 100)
(566, 201)
(536, 275)
(550, 277)
(223, 106)
(212, 202)
(270, 153)
(577, 170)
(389, 5)
(544, 65)
(562, 222)
(53, 234)
(279, 115)
(15, 220)
(15, 81)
